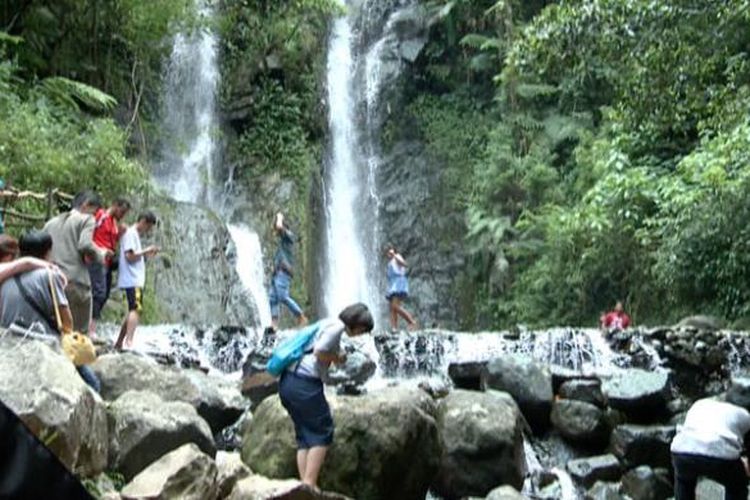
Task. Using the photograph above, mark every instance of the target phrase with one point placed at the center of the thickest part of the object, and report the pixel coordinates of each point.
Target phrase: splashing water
(250, 268)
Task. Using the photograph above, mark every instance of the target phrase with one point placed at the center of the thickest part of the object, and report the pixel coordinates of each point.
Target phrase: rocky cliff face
(194, 280)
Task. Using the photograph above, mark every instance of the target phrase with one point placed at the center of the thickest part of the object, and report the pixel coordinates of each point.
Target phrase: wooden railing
(51, 199)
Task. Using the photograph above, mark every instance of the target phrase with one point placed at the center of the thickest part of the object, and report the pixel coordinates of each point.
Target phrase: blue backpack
(291, 350)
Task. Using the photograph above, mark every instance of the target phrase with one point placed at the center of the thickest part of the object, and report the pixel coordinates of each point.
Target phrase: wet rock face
(587, 471)
(588, 391)
(580, 422)
(482, 443)
(404, 355)
(529, 382)
(642, 445)
(642, 395)
(195, 280)
(645, 483)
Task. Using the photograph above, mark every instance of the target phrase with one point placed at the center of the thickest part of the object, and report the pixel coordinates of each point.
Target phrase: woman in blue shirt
(398, 289)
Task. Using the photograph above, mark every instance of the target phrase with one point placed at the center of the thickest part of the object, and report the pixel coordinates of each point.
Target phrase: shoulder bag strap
(34, 305)
(53, 292)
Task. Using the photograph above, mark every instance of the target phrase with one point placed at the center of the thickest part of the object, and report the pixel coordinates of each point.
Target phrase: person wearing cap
(711, 444)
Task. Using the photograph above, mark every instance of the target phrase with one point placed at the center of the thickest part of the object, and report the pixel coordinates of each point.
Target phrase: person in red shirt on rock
(106, 235)
(615, 320)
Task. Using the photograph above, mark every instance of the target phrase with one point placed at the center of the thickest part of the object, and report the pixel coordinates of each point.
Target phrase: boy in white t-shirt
(131, 274)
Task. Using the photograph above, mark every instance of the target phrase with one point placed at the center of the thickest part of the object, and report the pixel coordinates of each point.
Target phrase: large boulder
(580, 422)
(231, 470)
(603, 490)
(259, 386)
(43, 388)
(586, 390)
(467, 375)
(262, 488)
(482, 436)
(185, 474)
(529, 382)
(642, 395)
(386, 444)
(642, 445)
(220, 401)
(143, 427)
(120, 373)
(587, 471)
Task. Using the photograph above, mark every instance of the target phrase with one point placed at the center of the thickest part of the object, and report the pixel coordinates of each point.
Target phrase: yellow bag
(77, 346)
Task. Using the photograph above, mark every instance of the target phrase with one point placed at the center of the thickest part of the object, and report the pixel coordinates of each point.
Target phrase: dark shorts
(304, 399)
(134, 299)
(398, 295)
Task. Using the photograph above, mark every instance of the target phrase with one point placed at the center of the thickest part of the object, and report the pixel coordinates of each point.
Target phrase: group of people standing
(283, 273)
(73, 257)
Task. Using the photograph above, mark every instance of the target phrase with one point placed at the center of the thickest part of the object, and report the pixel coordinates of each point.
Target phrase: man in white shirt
(131, 275)
(711, 443)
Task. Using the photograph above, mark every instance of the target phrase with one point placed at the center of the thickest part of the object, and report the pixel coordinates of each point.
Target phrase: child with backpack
(302, 362)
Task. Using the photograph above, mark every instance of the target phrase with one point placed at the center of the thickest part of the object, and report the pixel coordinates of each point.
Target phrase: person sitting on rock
(711, 444)
(301, 389)
(616, 319)
(398, 288)
(26, 300)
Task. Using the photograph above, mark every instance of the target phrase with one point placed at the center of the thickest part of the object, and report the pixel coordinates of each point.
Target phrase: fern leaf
(9, 39)
(474, 40)
(71, 92)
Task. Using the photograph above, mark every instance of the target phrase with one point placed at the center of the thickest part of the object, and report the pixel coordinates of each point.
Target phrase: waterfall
(189, 121)
(346, 280)
(356, 78)
(190, 149)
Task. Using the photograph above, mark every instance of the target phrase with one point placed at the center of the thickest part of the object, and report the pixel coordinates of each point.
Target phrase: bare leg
(275, 323)
(301, 463)
(393, 304)
(123, 331)
(400, 311)
(315, 458)
(92, 328)
(131, 323)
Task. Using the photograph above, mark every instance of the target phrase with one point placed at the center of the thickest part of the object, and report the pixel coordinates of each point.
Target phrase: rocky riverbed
(514, 416)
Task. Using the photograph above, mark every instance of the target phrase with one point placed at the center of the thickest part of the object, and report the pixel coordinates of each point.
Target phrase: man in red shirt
(615, 320)
(106, 235)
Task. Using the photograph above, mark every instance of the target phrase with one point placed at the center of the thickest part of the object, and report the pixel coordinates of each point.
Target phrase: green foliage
(47, 145)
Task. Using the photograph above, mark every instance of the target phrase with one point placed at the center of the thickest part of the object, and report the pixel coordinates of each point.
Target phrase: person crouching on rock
(615, 320)
(301, 389)
(711, 444)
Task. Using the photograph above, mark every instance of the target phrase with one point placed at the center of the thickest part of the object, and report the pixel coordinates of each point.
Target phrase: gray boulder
(231, 470)
(504, 493)
(220, 401)
(143, 427)
(185, 474)
(357, 370)
(739, 391)
(587, 471)
(700, 322)
(586, 390)
(259, 386)
(43, 388)
(640, 394)
(120, 373)
(467, 375)
(604, 491)
(579, 422)
(529, 382)
(644, 483)
(262, 488)
(482, 436)
(386, 444)
(642, 445)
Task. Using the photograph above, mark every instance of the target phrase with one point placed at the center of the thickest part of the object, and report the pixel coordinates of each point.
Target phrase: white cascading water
(346, 280)
(190, 118)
